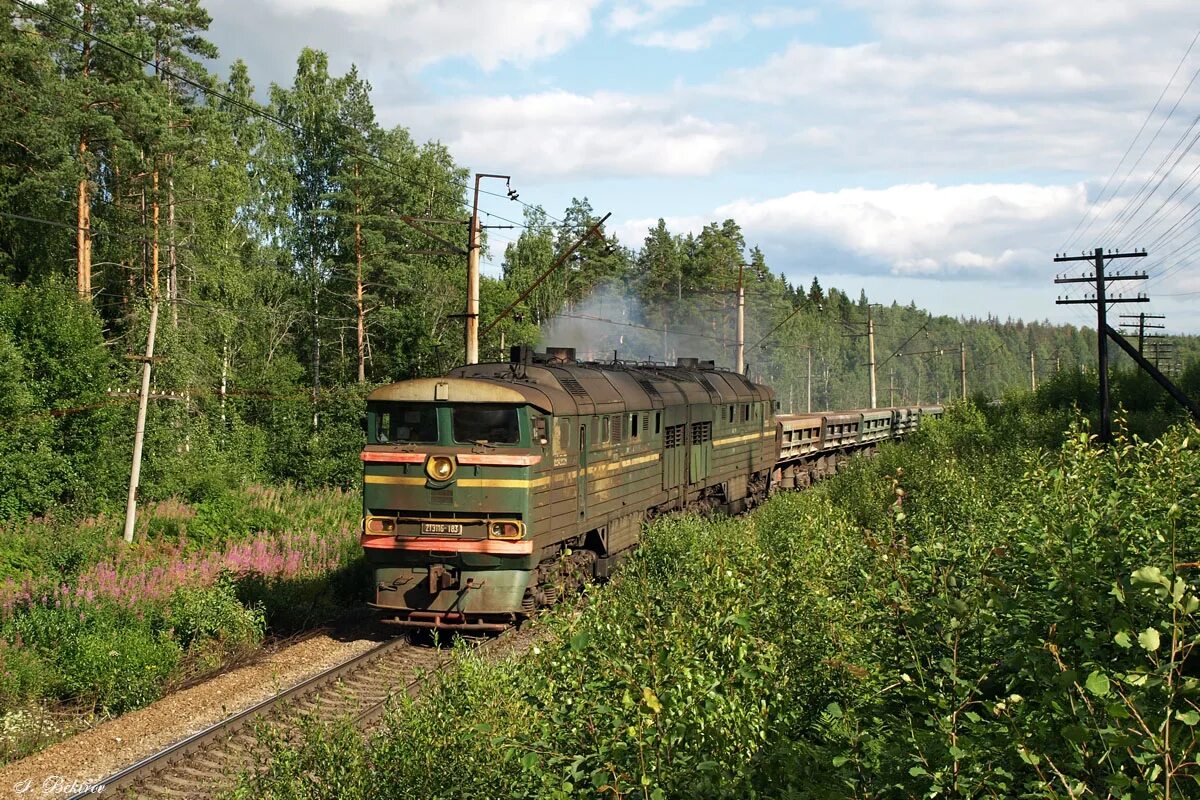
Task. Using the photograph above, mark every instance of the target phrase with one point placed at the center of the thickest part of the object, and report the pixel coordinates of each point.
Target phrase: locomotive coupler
(440, 578)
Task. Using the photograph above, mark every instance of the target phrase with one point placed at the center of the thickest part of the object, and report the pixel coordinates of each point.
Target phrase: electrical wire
(1093, 213)
(924, 325)
(1119, 232)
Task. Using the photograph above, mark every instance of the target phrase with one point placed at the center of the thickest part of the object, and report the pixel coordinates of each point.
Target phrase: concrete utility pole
(1032, 372)
(139, 434)
(1101, 301)
(741, 323)
(808, 383)
(962, 367)
(472, 315)
(871, 354)
(892, 390)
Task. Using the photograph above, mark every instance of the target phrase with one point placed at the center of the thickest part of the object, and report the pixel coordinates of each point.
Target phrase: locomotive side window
(633, 426)
(605, 430)
(657, 423)
(405, 423)
(479, 423)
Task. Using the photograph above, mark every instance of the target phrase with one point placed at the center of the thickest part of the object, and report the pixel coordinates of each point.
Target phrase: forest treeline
(269, 223)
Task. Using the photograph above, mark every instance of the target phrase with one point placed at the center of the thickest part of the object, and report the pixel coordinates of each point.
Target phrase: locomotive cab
(447, 475)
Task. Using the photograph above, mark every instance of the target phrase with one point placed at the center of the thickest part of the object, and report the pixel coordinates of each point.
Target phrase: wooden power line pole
(1142, 327)
(1101, 300)
(139, 431)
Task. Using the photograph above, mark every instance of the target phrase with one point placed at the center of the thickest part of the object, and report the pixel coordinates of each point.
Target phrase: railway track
(209, 762)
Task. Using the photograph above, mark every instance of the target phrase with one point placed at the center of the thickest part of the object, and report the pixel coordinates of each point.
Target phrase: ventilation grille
(673, 436)
(700, 376)
(442, 497)
(701, 432)
(648, 385)
(573, 387)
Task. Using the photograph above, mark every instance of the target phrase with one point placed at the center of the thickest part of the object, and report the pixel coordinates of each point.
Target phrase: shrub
(230, 515)
(211, 625)
(118, 669)
(24, 673)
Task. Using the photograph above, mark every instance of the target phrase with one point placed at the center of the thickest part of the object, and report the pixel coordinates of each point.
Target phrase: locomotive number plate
(442, 528)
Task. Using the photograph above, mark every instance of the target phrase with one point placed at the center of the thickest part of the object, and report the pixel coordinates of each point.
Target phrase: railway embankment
(960, 614)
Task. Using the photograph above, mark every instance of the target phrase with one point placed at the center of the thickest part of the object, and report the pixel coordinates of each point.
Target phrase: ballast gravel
(73, 765)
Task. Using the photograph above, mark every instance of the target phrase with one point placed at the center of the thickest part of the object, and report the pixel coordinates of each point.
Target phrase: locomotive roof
(572, 389)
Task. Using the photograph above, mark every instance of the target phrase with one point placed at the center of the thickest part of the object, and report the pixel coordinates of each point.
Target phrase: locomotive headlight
(440, 468)
(506, 530)
(380, 525)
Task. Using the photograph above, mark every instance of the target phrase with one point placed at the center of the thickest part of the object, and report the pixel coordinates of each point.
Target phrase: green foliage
(195, 614)
(23, 674)
(232, 515)
(52, 359)
(212, 625)
(119, 670)
(962, 615)
(89, 621)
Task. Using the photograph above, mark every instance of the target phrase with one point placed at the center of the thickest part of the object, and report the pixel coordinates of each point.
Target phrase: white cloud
(410, 34)
(783, 17)
(692, 39)
(725, 27)
(967, 231)
(628, 15)
(957, 22)
(360, 8)
(560, 133)
(944, 88)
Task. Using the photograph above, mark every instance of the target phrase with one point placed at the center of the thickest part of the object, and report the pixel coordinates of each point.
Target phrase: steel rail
(148, 767)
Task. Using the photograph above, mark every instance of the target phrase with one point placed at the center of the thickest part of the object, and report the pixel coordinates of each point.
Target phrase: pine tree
(815, 294)
(36, 154)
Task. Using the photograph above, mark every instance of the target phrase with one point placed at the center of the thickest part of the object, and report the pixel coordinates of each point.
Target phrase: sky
(934, 151)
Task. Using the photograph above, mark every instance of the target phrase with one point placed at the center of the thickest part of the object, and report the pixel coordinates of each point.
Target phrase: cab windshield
(491, 424)
(405, 423)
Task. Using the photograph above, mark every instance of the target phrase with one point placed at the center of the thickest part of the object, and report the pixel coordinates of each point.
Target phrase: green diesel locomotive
(490, 491)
